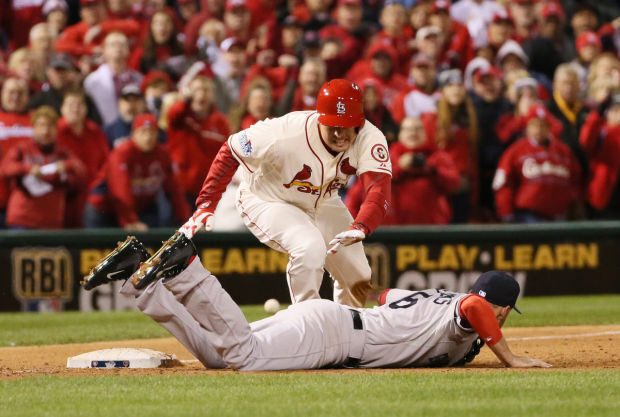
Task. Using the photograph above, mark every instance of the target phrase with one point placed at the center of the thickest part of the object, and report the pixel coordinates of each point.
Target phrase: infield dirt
(571, 347)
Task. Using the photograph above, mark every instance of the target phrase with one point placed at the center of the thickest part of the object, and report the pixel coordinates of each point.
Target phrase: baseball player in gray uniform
(410, 329)
(293, 167)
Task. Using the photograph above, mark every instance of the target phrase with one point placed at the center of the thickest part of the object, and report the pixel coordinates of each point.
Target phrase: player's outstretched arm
(503, 353)
(220, 174)
(486, 320)
(377, 188)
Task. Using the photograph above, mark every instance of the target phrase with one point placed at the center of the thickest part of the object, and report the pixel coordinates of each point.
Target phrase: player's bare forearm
(509, 359)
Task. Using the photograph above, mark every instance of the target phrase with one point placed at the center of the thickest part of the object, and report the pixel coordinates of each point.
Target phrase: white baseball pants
(304, 236)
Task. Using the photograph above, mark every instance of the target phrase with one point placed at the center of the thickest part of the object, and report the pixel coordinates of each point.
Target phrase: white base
(121, 358)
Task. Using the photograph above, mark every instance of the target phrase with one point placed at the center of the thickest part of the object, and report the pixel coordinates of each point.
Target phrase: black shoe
(119, 264)
(170, 260)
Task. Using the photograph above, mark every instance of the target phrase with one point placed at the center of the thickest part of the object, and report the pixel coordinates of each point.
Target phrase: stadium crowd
(112, 111)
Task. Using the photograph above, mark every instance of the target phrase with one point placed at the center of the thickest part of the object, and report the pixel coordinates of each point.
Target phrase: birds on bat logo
(300, 180)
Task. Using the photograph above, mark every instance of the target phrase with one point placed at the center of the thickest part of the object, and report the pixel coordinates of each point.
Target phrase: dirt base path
(571, 347)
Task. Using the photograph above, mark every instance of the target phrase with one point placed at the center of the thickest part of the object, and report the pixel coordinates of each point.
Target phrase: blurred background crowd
(495, 111)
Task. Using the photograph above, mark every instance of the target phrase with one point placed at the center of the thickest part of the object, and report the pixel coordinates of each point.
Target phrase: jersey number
(444, 297)
(409, 300)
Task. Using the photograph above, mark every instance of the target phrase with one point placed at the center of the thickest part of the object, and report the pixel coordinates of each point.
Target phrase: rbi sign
(340, 109)
(40, 273)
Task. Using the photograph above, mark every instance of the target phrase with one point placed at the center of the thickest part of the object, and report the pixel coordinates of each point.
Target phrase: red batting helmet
(339, 104)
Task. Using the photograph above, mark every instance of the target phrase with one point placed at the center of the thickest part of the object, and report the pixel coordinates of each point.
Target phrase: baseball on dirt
(272, 306)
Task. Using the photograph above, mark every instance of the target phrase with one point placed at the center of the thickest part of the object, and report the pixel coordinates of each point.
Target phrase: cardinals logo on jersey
(346, 168)
(300, 177)
(300, 181)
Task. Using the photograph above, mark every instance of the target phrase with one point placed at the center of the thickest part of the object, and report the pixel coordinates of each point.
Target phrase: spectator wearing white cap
(421, 98)
(512, 57)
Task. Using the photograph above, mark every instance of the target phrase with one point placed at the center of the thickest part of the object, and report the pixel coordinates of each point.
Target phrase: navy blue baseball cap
(498, 287)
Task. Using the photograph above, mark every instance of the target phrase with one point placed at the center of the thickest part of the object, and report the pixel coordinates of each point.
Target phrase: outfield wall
(41, 270)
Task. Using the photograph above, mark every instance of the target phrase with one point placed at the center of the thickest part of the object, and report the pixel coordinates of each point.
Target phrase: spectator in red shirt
(600, 138)
(19, 17)
(423, 177)
(381, 65)
(196, 131)
(85, 37)
(43, 173)
(161, 49)
(538, 177)
(396, 33)
(86, 141)
(349, 31)
(422, 97)
(15, 127)
(131, 184)
(457, 47)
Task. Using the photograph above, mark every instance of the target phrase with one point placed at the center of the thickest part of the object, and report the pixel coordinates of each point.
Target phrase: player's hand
(345, 238)
(524, 362)
(202, 219)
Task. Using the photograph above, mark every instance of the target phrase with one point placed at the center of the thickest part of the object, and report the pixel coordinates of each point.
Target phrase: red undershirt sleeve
(478, 312)
(220, 174)
(377, 187)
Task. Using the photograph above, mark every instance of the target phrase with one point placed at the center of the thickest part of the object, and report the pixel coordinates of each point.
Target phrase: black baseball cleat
(170, 260)
(119, 264)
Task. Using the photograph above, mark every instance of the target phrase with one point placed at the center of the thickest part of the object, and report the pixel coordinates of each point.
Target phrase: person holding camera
(423, 178)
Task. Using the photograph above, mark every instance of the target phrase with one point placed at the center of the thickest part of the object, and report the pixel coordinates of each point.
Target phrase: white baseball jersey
(420, 328)
(287, 161)
(288, 198)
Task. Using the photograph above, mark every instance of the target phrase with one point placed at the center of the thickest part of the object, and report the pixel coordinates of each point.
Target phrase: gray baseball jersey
(420, 328)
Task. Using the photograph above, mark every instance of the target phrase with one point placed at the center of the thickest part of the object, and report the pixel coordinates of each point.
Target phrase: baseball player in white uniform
(293, 167)
(410, 329)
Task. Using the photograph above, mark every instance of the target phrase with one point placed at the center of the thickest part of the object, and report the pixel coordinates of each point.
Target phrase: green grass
(19, 329)
(501, 393)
